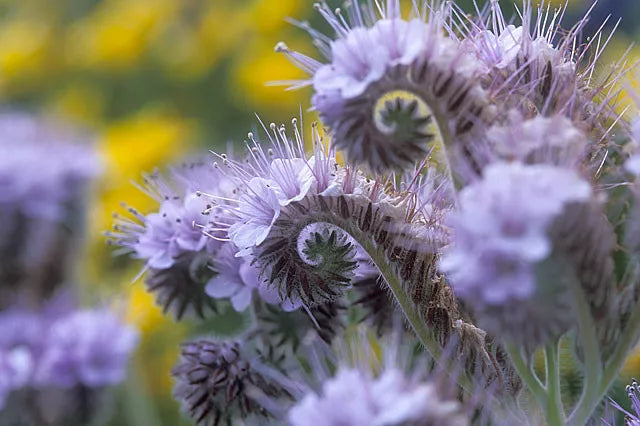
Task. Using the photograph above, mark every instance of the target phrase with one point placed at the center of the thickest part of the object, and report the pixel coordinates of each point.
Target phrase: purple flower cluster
(501, 237)
(62, 348)
(387, 79)
(390, 399)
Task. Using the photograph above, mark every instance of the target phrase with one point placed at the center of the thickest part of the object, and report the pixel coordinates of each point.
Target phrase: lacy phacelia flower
(501, 241)
(44, 172)
(292, 222)
(216, 382)
(179, 241)
(88, 347)
(61, 348)
(538, 68)
(390, 85)
(549, 140)
(354, 397)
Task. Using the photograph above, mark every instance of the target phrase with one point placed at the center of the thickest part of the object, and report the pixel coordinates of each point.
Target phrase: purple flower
(42, 168)
(88, 347)
(387, 80)
(237, 279)
(179, 240)
(354, 397)
(501, 237)
(631, 418)
(258, 209)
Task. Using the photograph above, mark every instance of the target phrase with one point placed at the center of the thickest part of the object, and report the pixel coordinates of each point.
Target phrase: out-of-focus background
(155, 80)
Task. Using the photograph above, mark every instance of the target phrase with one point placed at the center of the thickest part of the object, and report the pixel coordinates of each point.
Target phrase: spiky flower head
(179, 240)
(390, 86)
(296, 215)
(535, 66)
(501, 261)
(217, 382)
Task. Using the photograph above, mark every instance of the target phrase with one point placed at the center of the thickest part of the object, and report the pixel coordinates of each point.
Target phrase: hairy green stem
(592, 364)
(554, 409)
(527, 375)
(625, 344)
(411, 314)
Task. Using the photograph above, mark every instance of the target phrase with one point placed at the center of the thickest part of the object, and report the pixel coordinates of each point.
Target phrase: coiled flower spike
(285, 226)
(172, 240)
(390, 87)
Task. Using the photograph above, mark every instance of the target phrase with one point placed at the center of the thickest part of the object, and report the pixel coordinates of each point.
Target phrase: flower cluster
(484, 202)
(389, 399)
(501, 242)
(44, 177)
(65, 348)
(48, 345)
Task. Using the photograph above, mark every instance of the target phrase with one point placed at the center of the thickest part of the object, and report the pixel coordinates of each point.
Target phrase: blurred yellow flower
(269, 16)
(189, 50)
(23, 52)
(117, 34)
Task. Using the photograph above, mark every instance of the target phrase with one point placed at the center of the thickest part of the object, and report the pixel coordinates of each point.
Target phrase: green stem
(592, 364)
(411, 314)
(625, 344)
(527, 375)
(554, 409)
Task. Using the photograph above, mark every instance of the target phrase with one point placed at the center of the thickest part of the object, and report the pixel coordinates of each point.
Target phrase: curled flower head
(501, 241)
(294, 222)
(390, 86)
(217, 382)
(178, 242)
(535, 66)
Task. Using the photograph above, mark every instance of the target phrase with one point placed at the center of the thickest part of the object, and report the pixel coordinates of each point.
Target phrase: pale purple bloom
(42, 167)
(88, 347)
(550, 140)
(238, 279)
(501, 237)
(178, 226)
(354, 398)
(16, 366)
(384, 77)
(60, 347)
(259, 208)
